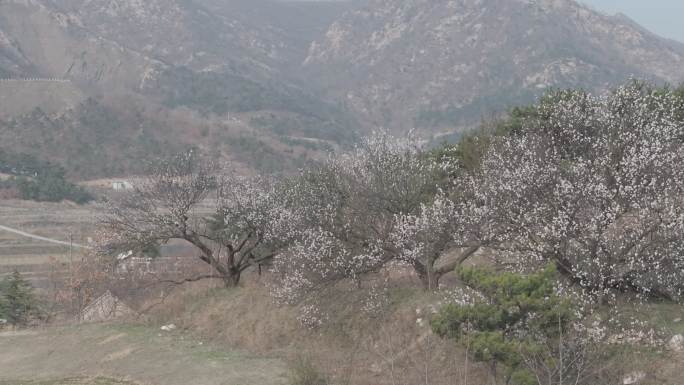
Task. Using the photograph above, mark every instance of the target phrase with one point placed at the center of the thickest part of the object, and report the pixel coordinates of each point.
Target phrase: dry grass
(243, 317)
(142, 355)
(390, 348)
(351, 348)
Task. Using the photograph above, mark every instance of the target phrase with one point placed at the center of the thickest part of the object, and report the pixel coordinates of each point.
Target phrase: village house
(121, 185)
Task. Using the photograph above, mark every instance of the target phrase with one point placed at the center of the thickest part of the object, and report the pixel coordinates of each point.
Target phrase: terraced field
(42, 262)
(32, 257)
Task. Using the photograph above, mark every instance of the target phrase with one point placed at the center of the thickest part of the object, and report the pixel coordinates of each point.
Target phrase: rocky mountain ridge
(438, 64)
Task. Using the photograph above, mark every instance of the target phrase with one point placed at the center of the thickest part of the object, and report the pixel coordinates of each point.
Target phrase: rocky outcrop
(676, 343)
(441, 64)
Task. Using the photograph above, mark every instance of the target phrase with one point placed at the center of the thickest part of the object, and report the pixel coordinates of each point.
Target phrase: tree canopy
(593, 184)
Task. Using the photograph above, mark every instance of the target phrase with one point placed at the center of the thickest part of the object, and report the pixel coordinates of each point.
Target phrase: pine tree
(17, 301)
(517, 316)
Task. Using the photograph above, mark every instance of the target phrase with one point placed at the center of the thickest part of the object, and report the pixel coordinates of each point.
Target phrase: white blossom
(594, 184)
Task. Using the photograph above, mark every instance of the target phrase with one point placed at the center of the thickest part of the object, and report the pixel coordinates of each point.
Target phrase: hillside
(12, 61)
(120, 46)
(443, 64)
(100, 138)
(164, 75)
(291, 78)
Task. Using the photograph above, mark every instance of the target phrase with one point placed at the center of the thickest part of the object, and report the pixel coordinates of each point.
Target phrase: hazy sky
(664, 17)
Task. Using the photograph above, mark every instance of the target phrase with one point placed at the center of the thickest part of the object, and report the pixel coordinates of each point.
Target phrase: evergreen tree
(17, 301)
(516, 317)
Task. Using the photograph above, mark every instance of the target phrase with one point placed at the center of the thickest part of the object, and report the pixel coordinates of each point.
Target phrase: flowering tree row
(593, 184)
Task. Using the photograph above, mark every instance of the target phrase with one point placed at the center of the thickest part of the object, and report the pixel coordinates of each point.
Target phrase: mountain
(12, 61)
(220, 67)
(442, 64)
(291, 25)
(97, 85)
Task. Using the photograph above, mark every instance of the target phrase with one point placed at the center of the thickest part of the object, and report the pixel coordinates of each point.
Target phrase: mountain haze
(267, 84)
(224, 63)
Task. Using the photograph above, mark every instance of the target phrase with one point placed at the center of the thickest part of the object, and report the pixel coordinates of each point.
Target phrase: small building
(121, 185)
(106, 307)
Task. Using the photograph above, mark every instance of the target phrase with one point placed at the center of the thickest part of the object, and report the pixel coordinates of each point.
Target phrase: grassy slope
(130, 353)
(392, 347)
(352, 347)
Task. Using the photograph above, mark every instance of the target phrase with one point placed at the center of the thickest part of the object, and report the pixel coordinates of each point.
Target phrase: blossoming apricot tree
(594, 184)
(243, 226)
(380, 204)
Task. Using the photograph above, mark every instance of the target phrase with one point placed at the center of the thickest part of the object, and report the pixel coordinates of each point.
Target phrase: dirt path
(37, 237)
(131, 353)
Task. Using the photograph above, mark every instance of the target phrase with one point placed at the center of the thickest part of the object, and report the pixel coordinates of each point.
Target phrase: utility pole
(71, 249)
(71, 271)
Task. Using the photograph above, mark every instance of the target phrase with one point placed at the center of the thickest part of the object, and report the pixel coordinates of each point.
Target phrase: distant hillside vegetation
(90, 140)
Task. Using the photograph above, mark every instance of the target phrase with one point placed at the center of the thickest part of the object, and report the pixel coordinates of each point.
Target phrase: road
(44, 239)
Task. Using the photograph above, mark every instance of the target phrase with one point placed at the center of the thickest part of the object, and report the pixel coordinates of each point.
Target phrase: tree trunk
(427, 275)
(232, 278)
